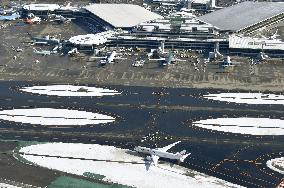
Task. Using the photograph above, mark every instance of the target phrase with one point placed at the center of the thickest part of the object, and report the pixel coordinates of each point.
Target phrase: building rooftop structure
(122, 15)
(201, 1)
(92, 39)
(41, 7)
(255, 43)
(244, 15)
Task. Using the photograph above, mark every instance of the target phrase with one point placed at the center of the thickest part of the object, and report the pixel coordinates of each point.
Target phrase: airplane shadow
(134, 153)
(146, 162)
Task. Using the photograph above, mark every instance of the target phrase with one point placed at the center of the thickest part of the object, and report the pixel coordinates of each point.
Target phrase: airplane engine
(149, 158)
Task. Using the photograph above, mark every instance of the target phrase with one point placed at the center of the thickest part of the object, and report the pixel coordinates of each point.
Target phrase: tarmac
(83, 69)
(158, 106)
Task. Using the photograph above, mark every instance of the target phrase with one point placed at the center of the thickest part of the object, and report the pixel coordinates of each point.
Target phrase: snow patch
(244, 125)
(130, 171)
(70, 90)
(51, 116)
(247, 98)
(4, 185)
(276, 164)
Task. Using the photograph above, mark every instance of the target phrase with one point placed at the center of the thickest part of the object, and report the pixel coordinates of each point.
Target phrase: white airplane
(62, 19)
(170, 59)
(109, 59)
(43, 52)
(262, 56)
(31, 19)
(227, 62)
(73, 52)
(275, 35)
(162, 152)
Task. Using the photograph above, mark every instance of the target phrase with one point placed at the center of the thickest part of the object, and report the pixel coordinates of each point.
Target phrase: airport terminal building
(107, 16)
(182, 30)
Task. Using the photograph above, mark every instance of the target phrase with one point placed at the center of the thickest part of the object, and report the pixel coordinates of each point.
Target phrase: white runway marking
(70, 90)
(244, 125)
(247, 98)
(51, 116)
(129, 174)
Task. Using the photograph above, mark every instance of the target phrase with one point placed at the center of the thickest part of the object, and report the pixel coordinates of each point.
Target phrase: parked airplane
(61, 19)
(45, 40)
(73, 52)
(109, 59)
(227, 62)
(262, 56)
(33, 19)
(170, 59)
(43, 52)
(11, 17)
(275, 35)
(139, 63)
(162, 152)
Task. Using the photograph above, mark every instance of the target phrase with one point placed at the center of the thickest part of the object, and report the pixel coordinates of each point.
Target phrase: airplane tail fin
(184, 156)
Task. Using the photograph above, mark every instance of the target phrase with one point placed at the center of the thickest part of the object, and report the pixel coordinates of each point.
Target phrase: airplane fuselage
(156, 152)
(110, 59)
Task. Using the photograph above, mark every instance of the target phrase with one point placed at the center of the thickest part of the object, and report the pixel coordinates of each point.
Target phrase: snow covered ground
(137, 175)
(244, 125)
(4, 185)
(70, 90)
(247, 98)
(51, 116)
(276, 164)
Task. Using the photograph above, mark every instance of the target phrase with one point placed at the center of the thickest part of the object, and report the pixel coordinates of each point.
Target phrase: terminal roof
(41, 7)
(243, 15)
(122, 15)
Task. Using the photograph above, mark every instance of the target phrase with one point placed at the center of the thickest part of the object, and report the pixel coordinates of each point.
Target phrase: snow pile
(247, 98)
(69, 90)
(126, 172)
(51, 116)
(276, 164)
(244, 125)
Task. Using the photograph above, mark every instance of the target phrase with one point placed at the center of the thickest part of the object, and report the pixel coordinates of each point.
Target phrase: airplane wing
(155, 159)
(120, 58)
(100, 57)
(166, 148)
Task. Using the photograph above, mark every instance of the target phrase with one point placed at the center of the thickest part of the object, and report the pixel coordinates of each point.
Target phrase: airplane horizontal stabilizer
(184, 157)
